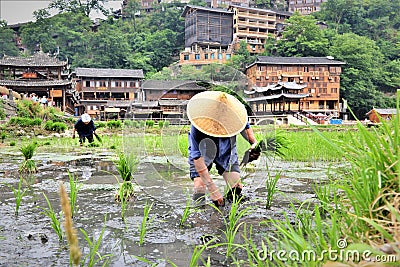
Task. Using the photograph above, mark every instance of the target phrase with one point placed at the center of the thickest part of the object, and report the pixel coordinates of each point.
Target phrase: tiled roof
(260, 9)
(297, 60)
(216, 10)
(32, 83)
(270, 97)
(384, 111)
(171, 85)
(274, 87)
(39, 59)
(112, 73)
(172, 102)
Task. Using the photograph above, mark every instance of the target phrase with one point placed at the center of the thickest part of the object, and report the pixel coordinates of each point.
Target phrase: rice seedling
(55, 223)
(18, 194)
(271, 188)
(198, 251)
(74, 188)
(94, 258)
(28, 165)
(232, 224)
(255, 255)
(146, 221)
(74, 250)
(125, 167)
(187, 211)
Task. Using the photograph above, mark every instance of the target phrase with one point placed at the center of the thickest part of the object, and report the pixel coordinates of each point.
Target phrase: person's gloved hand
(254, 152)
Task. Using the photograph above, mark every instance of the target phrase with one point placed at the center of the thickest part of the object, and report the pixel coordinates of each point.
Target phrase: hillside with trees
(364, 34)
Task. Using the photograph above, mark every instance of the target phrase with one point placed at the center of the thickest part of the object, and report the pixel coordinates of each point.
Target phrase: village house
(375, 115)
(212, 34)
(98, 91)
(165, 99)
(208, 36)
(308, 85)
(305, 7)
(39, 74)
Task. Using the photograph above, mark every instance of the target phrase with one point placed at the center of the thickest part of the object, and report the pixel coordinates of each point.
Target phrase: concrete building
(305, 7)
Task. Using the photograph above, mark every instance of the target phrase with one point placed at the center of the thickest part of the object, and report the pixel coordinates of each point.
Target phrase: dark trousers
(82, 139)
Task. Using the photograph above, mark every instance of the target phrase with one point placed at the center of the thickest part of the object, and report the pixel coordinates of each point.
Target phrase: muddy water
(29, 240)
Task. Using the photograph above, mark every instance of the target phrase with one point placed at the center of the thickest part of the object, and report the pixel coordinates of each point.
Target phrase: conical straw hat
(217, 114)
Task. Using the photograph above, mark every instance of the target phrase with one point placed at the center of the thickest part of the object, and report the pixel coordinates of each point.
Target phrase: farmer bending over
(216, 119)
(85, 128)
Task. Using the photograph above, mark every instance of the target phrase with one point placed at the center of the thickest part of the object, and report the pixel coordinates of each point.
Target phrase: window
(219, 56)
(87, 83)
(197, 56)
(205, 56)
(186, 57)
(212, 56)
(228, 56)
(334, 90)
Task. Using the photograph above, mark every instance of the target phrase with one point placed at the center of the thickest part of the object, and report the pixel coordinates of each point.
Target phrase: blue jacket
(221, 150)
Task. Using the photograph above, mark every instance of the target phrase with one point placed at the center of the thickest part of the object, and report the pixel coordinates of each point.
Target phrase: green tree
(7, 43)
(106, 48)
(78, 6)
(38, 36)
(302, 37)
(241, 58)
(362, 72)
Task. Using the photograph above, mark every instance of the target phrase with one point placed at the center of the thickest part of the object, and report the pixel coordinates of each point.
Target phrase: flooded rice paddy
(29, 240)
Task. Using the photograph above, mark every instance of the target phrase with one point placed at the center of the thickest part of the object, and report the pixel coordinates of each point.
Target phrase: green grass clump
(149, 123)
(55, 126)
(25, 122)
(114, 124)
(2, 112)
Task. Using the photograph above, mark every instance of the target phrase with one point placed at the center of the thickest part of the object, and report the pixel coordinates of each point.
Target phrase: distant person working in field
(85, 128)
(216, 119)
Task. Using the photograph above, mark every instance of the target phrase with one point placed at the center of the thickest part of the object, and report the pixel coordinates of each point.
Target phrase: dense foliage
(364, 34)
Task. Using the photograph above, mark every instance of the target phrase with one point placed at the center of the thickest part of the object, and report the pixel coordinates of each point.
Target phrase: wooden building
(212, 35)
(208, 35)
(99, 89)
(39, 74)
(255, 26)
(306, 84)
(305, 7)
(165, 99)
(376, 114)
